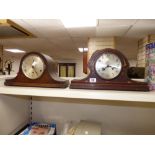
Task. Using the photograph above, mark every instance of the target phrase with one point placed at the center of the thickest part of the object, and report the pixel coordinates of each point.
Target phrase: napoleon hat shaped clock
(108, 70)
(37, 70)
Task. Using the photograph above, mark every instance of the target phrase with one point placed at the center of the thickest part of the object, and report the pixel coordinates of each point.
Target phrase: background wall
(15, 58)
(129, 47)
(100, 43)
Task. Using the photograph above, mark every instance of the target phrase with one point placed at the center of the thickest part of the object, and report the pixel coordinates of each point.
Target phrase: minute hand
(35, 71)
(111, 67)
(33, 67)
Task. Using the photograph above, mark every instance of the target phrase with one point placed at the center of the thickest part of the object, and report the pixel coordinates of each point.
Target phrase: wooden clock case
(121, 82)
(48, 79)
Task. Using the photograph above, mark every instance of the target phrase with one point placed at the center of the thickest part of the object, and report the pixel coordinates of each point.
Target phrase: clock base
(57, 84)
(125, 86)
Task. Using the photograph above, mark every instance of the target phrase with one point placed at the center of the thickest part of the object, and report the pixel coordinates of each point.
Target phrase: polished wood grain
(48, 79)
(121, 82)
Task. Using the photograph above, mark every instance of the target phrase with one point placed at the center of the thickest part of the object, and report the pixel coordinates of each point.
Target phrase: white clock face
(33, 66)
(108, 66)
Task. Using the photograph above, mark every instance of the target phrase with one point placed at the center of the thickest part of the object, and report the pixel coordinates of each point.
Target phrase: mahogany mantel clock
(108, 70)
(37, 70)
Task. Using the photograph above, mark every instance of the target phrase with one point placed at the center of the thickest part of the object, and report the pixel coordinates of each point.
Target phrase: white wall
(128, 46)
(14, 113)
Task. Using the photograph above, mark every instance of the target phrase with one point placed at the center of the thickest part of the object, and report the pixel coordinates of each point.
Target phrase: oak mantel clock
(108, 71)
(37, 70)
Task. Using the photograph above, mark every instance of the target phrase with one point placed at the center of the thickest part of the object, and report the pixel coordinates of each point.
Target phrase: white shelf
(80, 93)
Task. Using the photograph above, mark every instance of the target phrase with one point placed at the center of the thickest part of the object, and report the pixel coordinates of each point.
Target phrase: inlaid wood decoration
(108, 71)
(37, 70)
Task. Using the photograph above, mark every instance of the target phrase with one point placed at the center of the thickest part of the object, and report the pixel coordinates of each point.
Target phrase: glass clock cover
(108, 66)
(33, 66)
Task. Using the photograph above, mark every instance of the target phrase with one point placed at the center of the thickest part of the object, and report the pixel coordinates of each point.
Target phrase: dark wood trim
(121, 82)
(47, 79)
(85, 59)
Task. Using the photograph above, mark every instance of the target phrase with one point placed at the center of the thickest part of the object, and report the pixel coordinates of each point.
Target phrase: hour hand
(113, 68)
(34, 70)
(103, 69)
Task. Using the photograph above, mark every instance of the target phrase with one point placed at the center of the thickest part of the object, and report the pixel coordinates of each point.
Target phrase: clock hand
(114, 68)
(111, 67)
(108, 66)
(33, 67)
(35, 70)
(104, 68)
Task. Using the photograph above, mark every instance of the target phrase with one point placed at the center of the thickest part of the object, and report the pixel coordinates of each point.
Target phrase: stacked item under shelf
(150, 65)
(36, 128)
(70, 128)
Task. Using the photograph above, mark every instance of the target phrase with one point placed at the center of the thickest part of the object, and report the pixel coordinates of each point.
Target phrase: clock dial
(33, 66)
(108, 66)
